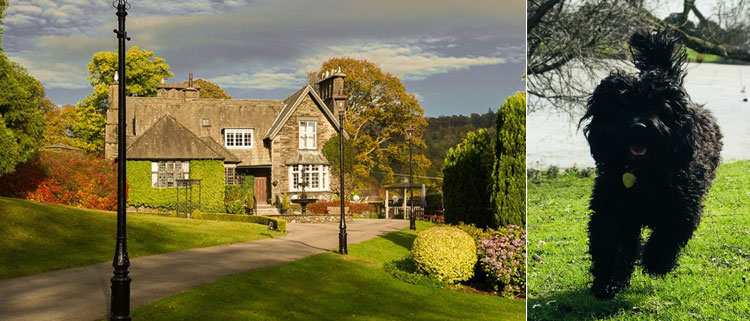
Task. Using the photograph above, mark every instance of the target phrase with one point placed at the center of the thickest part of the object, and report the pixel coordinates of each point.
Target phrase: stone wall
(286, 144)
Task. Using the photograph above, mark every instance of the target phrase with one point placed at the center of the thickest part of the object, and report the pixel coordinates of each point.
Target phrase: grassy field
(40, 237)
(332, 287)
(711, 283)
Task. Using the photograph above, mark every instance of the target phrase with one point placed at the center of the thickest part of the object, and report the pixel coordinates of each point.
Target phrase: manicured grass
(40, 237)
(711, 283)
(699, 57)
(331, 287)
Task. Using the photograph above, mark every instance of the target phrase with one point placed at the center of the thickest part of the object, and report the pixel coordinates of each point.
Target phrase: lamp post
(120, 304)
(412, 219)
(342, 223)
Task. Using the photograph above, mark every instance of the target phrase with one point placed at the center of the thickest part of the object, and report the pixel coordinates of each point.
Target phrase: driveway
(83, 293)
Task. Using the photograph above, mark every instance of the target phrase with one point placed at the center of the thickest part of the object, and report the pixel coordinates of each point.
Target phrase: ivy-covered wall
(210, 172)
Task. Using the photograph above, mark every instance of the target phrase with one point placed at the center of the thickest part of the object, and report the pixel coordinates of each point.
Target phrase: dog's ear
(659, 49)
(610, 95)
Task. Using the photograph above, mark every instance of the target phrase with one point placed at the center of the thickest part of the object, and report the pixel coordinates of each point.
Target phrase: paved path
(83, 293)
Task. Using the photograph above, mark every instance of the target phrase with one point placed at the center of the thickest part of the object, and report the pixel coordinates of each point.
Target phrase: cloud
(408, 62)
(262, 80)
(54, 74)
(264, 44)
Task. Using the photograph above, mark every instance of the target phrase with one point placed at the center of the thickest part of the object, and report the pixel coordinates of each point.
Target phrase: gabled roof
(168, 139)
(290, 106)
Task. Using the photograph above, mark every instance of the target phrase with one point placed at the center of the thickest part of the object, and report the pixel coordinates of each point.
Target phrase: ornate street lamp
(341, 105)
(412, 219)
(120, 304)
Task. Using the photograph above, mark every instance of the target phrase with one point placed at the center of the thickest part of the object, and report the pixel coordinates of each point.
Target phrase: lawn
(711, 283)
(39, 237)
(329, 286)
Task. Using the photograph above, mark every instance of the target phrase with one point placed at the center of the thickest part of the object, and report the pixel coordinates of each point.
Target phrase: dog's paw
(658, 269)
(605, 291)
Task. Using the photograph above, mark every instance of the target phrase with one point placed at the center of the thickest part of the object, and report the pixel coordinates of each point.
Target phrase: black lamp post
(412, 219)
(120, 305)
(342, 223)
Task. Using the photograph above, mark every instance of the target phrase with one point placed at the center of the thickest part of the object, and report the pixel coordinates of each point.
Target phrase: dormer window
(238, 138)
(308, 135)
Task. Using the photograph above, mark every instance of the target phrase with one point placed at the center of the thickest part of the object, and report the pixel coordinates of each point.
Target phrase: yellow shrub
(445, 252)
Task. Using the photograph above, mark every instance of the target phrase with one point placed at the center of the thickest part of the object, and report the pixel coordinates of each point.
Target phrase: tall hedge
(509, 172)
(467, 181)
(210, 172)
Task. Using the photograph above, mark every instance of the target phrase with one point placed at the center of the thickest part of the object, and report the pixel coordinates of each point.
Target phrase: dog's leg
(664, 245)
(614, 245)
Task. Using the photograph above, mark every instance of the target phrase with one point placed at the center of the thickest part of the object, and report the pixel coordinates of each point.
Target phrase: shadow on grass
(402, 239)
(577, 304)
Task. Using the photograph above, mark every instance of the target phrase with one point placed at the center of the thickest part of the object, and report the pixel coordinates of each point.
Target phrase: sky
(457, 57)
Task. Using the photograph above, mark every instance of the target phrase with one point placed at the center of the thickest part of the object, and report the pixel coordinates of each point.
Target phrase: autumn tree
(380, 111)
(22, 105)
(210, 90)
(331, 151)
(144, 73)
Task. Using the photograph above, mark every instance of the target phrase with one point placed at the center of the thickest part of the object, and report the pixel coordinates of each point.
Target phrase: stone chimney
(331, 89)
(191, 91)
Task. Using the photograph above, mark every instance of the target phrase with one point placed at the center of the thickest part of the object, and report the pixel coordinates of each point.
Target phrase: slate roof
(168, 139)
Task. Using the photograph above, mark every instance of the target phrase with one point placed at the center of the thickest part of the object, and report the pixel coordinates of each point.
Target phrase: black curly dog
(656, 153)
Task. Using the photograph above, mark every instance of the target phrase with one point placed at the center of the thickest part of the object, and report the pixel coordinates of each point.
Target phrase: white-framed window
(316, 177)
(165, 174)
(308, 134)
(230, 175)
(238, 138)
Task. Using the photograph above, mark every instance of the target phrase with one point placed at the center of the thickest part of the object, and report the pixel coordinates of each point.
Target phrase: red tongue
(638, 150)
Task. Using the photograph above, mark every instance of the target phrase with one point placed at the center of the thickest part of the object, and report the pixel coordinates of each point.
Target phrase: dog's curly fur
(646, 124)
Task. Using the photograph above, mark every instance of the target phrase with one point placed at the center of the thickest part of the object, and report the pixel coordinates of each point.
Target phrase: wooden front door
(261, 189)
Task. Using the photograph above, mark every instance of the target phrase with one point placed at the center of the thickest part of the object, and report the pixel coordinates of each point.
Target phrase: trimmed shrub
(210, 172)
(248, 188)
(502, 257)
(234, 198)
(434, 203)
(257, 219)
(405, 270)
(477, 234)
(265, 220)
(467, 181)
(446, 253)
(509, 172)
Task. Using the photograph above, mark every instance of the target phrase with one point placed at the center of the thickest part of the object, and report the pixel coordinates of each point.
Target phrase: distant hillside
(444, 132)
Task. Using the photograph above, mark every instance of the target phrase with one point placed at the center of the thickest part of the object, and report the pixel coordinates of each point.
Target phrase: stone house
(274, 141)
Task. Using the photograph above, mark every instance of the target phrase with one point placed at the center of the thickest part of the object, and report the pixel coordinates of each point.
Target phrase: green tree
(144, 73)
(509, 173)
(60, 127)
(467, 181)
(380, 110)
(22, 104)
(210, 90)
